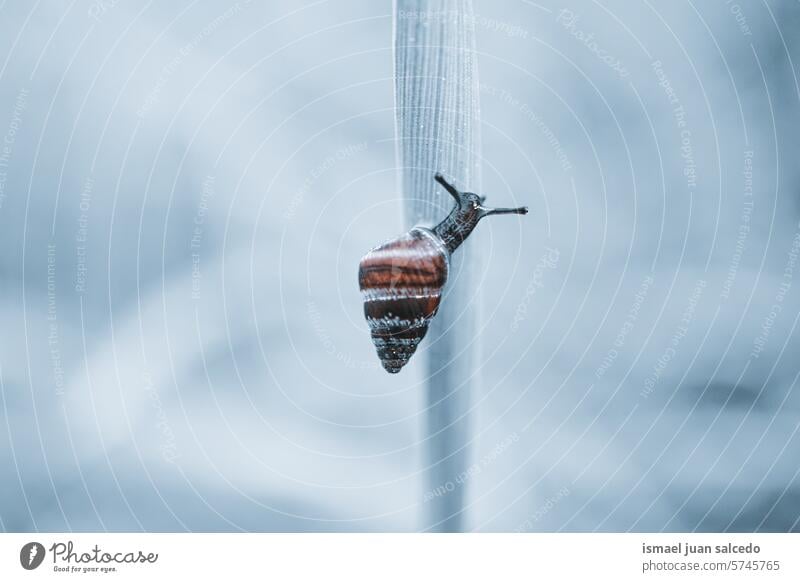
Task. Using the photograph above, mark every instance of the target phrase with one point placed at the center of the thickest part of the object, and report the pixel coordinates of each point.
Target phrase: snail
(402, 280)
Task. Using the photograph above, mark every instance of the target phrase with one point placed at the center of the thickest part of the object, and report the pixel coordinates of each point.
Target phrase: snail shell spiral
(401, 282)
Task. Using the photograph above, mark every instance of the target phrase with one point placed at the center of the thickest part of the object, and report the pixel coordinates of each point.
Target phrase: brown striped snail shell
(402, 280)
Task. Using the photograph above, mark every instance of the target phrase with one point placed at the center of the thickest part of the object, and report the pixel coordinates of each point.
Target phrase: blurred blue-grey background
(186, 189)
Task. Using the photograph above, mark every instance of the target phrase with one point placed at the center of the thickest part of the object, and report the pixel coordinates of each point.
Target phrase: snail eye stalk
(449, 187)
(490, 211)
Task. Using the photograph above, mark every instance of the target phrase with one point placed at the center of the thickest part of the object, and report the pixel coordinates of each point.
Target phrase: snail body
(402, 280)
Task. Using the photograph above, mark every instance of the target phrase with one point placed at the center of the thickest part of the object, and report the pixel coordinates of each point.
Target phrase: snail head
(465, 216)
